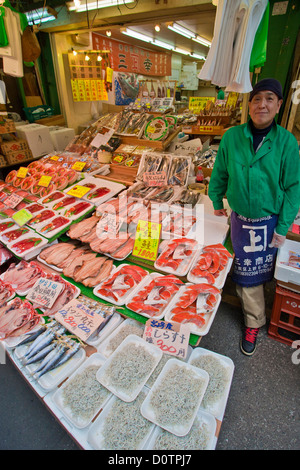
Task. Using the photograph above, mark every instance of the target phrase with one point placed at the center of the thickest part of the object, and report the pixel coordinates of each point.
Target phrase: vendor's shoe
(248, 342)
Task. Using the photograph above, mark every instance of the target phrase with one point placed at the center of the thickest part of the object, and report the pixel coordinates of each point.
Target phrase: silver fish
(49, 361)
(67, 355)
(44, 339)
(32, 335)
(40, 355)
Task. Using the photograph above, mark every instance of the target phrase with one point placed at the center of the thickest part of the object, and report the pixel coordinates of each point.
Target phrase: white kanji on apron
(255, 238)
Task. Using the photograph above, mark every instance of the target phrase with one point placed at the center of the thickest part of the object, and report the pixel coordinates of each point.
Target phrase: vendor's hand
(220, 212)
(277, 240)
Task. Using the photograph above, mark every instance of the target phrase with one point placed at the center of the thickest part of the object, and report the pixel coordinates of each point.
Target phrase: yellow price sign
(45, 181)
(78, 166)
(55, 157)
(147, 238)
(22, 217)
(78, 191)
(22, 172)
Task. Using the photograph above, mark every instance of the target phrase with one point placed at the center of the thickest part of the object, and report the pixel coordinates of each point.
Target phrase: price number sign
(22, 216)
(172, 338)
(79, 319)
(13, 200)
(78, 191)
(147, 239)
(44, 292)
(44, 181)
(22, 172)
(155, 178)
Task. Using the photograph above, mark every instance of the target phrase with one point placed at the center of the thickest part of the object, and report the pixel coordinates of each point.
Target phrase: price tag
(79, 319)
(78, 166)
(171, 338)
(44, 292)
(22, 217)
(55, 157)
(45, 181)
(22, 172)
(147, 239)
(13, 200)
(78, 191)
(155, 178)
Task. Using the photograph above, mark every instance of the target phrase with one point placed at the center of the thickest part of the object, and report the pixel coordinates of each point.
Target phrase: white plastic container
(133, 342)
(283, 272)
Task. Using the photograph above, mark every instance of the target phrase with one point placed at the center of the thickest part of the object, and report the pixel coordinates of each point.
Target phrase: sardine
(44, 339)
(67, 355)
(33, 335)
(49, 361)
(40, 355)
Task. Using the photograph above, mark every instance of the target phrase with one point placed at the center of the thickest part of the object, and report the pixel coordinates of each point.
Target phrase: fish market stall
(95, 266)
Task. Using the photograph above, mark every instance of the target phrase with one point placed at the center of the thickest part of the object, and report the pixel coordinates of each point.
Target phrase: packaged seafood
(34, 207)
(129, 326)
(7, 293)
(175, 398)
(153, 295)
(120, 284)
(153, 162)
(128, 368)
(52, 198)
(27, 246)
(157, 129)
(6, 225)
(195, 305)
(179, 223)
(200, 437)
(54, 226)
(78, 210)
(179, 170)
(17, 317)
(62, 204)
(81, 396)
(44, 215)
(120, 426)
(10, 235)
(50, 357)
(220, 369)
(211, 265)
(103, 333)
(176, 255)
(22, 276)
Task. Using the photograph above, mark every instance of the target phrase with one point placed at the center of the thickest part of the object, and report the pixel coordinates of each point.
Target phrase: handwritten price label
(171, 338)
(44, 292)
(147, 239)
(79, 319)
(13, 200)
(155, 178)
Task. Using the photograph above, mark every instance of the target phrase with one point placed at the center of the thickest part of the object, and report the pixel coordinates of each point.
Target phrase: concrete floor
(262, 411)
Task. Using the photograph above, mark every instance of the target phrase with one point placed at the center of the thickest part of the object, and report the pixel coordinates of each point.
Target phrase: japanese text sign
(155, 178)
(44, 292)
(147, 239)
(79, 319)
(171, 338)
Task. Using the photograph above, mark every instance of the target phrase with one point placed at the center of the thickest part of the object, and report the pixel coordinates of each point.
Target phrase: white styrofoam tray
(283, 272)
(219, 280)
(204, 418)
(103, 373)
(114, 321)
(94, 360)
(182, 428)
(104, 347)
(217, 408)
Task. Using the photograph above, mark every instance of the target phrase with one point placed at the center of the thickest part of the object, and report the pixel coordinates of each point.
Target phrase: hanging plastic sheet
(259, 49)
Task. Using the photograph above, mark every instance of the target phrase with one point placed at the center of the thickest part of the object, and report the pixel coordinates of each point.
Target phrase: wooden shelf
(161, 145)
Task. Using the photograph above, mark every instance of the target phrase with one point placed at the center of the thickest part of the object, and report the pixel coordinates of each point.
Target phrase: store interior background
(48, 80)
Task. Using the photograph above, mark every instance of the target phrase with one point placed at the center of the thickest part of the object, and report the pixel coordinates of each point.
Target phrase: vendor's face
(263, 108)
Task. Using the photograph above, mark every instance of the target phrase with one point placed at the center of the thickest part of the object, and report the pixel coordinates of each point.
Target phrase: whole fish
(40, 355)
(33, 335)
(67, 355)
(50, 360)
(45, 339)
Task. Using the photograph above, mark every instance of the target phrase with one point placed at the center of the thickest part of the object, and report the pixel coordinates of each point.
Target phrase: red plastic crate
(285, 318)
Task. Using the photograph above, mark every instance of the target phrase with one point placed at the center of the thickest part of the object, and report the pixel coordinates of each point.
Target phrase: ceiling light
(181, 51)
(201, 40)
(197, 56)
(74, 52)
(39, 16)
(99, 58)
(156, 42)
(72, 6)
(108, 33)
(86, 58)
(157, 28)
(183, 31)
(136, 35)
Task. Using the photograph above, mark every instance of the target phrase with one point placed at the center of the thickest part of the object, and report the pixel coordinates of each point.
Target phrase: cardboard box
(6, 125)
(19, 156)
(61, 137)
(38, 138)
(3, 161)
(13, 146)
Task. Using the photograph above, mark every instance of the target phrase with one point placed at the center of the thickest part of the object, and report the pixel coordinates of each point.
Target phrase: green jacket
(258, 184)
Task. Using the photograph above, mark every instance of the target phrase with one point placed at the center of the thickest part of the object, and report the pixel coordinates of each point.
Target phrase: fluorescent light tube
(202, 41)
(136, 35)
(197, 56)
(181, 51)
(163, 44)
(187, 35)
(184, 31)
(95, 5)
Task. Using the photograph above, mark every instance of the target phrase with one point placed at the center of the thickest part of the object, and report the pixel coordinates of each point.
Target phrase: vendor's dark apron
(254, 260)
